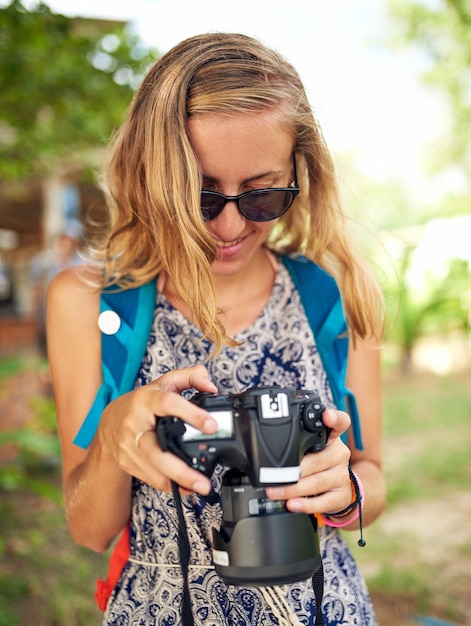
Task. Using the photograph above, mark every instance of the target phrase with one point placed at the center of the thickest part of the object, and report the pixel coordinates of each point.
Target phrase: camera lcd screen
(225, 428)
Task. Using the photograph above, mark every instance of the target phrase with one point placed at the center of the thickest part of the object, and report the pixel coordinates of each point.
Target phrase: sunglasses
(259, 205)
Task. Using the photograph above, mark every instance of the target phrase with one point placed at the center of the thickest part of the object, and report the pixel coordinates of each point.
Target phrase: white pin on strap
(109, 322)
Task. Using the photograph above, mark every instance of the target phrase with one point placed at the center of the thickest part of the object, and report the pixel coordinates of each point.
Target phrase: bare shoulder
(72, 310)
(74, 284)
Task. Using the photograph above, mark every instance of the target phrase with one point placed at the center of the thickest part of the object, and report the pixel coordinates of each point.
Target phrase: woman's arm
(97, 481)
(91, 480)
(364, 379)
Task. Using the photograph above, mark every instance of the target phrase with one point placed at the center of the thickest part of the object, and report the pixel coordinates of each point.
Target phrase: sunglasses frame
(293, 190)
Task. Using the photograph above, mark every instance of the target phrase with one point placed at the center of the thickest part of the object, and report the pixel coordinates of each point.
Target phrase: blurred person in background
(7, 300)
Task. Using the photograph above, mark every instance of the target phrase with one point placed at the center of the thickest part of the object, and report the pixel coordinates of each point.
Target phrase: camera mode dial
(311, 415)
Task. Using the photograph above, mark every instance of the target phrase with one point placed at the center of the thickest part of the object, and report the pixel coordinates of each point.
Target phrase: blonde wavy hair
(153, 182)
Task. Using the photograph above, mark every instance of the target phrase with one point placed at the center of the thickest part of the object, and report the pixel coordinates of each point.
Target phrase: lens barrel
(275, 549)
(260, 541)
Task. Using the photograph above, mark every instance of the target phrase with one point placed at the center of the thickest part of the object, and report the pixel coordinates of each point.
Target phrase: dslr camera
(262, 435)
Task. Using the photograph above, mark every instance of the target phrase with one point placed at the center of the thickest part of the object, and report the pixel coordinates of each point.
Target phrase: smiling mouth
(228, 244)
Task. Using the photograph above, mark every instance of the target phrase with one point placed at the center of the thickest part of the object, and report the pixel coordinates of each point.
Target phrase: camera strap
(187, 614)
(184, 544)
(318, 588)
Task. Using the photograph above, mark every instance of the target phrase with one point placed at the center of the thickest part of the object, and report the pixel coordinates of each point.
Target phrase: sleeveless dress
(278, 348)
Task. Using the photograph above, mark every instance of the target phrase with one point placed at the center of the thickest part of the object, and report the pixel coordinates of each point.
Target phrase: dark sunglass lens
(265, 205)
(211, 205)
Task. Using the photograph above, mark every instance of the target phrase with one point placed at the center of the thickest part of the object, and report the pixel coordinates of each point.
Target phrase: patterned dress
(278, 348)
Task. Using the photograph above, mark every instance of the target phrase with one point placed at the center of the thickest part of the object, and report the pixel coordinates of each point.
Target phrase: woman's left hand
(324, 485)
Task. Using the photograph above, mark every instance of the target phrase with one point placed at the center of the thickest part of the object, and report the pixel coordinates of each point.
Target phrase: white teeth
(228, 244)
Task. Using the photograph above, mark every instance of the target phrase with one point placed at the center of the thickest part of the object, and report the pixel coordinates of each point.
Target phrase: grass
(427, 435)
(419, 548)
(11, 366)
(44, 579)
(417, 553)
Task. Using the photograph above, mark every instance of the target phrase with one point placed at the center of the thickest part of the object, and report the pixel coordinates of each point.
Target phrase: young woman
(218, 171)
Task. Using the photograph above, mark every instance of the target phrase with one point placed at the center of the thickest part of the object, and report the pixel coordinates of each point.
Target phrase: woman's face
(239, 153)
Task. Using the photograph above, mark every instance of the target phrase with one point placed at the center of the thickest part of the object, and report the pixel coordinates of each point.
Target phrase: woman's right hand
(97, 481)
(138, 411)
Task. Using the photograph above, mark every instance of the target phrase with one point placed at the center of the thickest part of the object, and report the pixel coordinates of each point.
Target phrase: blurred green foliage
(36, 458)
(438, 309)
(64, 86)
(442, 31)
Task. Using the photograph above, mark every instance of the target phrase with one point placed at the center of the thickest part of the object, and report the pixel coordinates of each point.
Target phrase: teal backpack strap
(320, 297)
(122, 350)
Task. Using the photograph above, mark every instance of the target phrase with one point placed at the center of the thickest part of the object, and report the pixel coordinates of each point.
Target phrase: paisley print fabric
(279, 348)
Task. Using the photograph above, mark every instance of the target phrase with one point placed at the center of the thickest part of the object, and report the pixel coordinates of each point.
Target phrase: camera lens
(265, 506)
(241, 500)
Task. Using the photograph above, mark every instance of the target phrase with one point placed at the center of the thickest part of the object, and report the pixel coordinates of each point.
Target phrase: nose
(229, 224)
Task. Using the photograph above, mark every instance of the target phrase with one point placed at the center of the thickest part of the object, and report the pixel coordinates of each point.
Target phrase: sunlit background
(367, 93)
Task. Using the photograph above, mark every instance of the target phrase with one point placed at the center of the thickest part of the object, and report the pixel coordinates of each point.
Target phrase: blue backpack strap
(122, 351)
(320, 297)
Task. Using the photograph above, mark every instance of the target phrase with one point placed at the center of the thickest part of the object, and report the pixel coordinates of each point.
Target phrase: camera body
(263, 431)
(262, 435)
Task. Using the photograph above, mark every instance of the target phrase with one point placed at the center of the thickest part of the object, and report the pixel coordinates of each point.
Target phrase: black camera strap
(187, 614)
(318, 587)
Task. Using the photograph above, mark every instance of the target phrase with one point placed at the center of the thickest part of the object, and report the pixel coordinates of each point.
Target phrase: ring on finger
(139, 435)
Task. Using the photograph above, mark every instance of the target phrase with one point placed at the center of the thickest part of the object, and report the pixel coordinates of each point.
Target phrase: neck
(240, 298)
(233, 290)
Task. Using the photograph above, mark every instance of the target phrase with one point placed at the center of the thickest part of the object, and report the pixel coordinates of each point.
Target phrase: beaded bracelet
(357, 503)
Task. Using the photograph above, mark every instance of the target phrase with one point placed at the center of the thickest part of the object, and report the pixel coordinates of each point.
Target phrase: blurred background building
(64, 85)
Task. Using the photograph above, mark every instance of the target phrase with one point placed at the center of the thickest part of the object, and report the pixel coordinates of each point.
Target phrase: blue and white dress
(278, 348)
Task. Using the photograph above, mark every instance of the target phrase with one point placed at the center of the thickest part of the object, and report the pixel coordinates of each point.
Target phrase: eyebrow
(272, 173)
